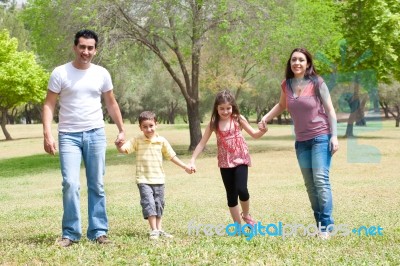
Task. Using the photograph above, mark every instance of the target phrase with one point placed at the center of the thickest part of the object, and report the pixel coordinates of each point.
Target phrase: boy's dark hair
(87, 34)
(147, 115)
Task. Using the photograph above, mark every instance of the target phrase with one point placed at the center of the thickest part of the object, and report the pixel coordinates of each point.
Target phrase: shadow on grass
(47, 239)
(41, 163)
(13, 139)
(366, 137)
(28, 165)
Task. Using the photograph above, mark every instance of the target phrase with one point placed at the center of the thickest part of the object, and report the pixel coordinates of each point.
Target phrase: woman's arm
(330, 111)
(275, 111)
(250, 130)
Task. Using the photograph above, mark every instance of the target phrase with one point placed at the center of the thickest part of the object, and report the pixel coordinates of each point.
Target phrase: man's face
(84, 52)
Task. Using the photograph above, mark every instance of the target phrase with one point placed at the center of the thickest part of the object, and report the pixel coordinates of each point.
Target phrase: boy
(150, 177)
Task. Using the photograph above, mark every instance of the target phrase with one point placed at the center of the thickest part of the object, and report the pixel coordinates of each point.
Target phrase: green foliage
(11, 21)
(21, 78)
(371, 29)
(53, 24)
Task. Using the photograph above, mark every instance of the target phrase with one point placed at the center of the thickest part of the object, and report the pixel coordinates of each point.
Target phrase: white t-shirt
(80, 96)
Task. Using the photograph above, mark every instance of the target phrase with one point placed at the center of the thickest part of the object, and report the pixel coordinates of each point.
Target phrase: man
(79, 86)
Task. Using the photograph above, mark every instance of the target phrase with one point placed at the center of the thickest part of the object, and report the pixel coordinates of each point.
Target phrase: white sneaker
(154, 235)
(165, 234)
(324, 235)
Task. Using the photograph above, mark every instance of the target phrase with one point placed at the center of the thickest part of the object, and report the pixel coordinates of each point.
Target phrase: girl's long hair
(222, 97)
(310, 74)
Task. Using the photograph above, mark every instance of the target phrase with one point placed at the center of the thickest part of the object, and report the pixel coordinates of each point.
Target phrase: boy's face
(148, 127)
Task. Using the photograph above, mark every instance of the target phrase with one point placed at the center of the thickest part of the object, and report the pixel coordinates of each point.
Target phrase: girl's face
(148, 127)
(298, 64)
(224, 111)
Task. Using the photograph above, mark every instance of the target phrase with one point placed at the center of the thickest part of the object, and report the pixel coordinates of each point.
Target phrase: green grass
(364, 194)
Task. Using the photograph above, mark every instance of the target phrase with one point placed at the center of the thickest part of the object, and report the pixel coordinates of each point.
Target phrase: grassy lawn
(365, 182)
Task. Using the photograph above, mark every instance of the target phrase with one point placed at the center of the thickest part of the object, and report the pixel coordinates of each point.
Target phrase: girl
(307, 99)
(233, 153)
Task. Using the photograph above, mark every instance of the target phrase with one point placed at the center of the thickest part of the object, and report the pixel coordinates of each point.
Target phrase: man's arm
(115, 113)
(49, 143)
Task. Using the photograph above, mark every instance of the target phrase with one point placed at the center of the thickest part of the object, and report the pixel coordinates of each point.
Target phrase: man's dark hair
(87, 34)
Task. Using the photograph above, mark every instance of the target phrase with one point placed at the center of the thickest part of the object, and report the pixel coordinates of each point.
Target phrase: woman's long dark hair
(310, 74)
(222, 97)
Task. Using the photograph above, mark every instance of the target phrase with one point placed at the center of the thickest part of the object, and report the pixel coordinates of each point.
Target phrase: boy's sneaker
(103, 240)
(154, 235)
(65, 242)
(165, 234)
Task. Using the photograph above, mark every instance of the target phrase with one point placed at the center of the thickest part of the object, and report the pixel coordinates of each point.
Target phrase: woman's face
(298, 64)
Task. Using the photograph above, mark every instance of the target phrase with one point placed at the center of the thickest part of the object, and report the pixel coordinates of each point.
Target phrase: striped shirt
(149, 158)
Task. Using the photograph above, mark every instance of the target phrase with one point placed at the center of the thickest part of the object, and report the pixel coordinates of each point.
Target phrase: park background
(172, 57)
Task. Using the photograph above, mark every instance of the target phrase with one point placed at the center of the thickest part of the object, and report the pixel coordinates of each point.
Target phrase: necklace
(229, 138)
(299, 87)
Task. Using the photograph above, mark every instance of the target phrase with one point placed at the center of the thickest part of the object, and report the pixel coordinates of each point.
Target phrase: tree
(389, 99)
(175, 31)
(52, 28)
(257, 47)
(371, 30)
(22, 80)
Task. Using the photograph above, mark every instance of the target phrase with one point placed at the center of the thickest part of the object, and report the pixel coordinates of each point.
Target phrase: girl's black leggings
(235, 182)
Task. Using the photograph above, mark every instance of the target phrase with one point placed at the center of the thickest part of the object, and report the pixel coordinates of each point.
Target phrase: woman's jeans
(91, 146)
(314, 159)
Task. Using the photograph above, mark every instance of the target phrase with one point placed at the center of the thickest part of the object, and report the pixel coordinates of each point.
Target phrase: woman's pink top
(232, 148)
(307, 112)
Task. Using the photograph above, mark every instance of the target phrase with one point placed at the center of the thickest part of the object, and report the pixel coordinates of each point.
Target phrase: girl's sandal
(248, 219)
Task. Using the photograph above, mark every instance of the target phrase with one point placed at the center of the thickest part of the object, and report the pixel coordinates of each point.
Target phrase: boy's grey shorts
(152, 199)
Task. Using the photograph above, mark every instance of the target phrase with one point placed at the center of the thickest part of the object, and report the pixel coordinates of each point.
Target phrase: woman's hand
(334, 144)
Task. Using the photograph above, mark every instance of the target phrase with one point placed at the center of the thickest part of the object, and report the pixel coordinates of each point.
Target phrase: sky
(20, 2)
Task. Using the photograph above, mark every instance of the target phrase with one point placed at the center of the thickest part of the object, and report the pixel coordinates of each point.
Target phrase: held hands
(190, 168)
(120, 140)
(262, 125)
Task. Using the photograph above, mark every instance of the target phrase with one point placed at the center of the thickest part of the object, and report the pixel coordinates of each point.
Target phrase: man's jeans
(91, 146)
(314, 159)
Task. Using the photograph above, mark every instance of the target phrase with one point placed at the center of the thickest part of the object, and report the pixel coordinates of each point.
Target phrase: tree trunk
(279, 117)
(194, 124)
(354, 104)
(385, 108)
(171, 112)
(349, 130)
(28, 114)
(360, 113)
(397, 117)
(350, 122)
(4, 123)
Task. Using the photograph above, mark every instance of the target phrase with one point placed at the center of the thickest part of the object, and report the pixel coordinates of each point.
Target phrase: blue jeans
(91, 146)
(314, 159)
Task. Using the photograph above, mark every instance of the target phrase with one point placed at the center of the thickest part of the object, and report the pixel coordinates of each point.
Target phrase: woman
(305, 95)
